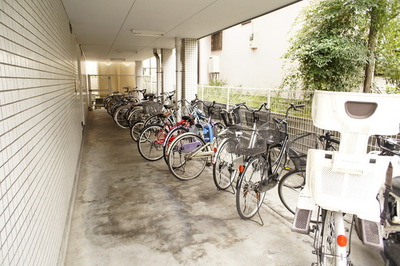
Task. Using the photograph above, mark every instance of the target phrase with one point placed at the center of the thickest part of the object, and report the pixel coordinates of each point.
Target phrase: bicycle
(228, 156)
(390, 199)
(151, 112)
(190, 152)
(154, 138)
(190, 112)
(347, 181)
(261, 171)
(293, 182)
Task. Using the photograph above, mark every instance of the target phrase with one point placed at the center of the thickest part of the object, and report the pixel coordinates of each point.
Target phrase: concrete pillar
(189, 58)
(168, 66)
(139, 75)
(160, 88)
(178, 66)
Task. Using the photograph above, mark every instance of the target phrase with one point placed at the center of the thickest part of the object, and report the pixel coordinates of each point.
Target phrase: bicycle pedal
(208, 164)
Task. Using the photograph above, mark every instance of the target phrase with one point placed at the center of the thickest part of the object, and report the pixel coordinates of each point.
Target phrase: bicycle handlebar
(328, 138)
(388, 145)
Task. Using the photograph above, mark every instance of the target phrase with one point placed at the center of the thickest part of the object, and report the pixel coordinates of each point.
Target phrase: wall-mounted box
(213, 64)
(253, 40)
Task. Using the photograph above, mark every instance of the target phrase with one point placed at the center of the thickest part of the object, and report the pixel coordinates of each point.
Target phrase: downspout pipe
(160, 87)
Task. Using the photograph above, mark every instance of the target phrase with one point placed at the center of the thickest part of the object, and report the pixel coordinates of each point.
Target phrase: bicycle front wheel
(248, 198)
(186, 159)
(136, 128)
(150, 142)
(289, 188)
(224, 169)
(120, 116)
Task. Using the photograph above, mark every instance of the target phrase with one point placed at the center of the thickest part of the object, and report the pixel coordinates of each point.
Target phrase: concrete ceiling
(104, 27)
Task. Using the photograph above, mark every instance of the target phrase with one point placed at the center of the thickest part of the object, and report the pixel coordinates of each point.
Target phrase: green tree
(388, 56)
(335, 49)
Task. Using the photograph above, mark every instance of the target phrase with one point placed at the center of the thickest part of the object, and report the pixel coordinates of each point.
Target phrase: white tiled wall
(40, 130)
(189, 55)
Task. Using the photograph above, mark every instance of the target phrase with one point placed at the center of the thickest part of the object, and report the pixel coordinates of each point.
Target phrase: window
(216, 41)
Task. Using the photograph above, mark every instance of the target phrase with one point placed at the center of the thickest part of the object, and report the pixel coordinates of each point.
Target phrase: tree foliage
(333, 46)
(388, 58)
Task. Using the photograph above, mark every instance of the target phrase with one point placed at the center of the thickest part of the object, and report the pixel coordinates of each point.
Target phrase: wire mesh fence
(278, 100)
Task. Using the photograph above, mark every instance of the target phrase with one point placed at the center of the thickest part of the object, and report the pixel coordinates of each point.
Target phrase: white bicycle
(347, 181)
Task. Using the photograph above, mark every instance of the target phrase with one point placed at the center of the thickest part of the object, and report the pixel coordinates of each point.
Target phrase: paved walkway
(130, 211)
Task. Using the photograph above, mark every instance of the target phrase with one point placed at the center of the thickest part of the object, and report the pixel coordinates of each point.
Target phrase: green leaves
(331, 49)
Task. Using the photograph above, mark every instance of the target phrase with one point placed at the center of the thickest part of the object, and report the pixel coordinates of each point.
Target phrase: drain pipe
(160, 87)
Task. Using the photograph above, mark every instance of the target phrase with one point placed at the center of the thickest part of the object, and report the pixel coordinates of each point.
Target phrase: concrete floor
(130, 211)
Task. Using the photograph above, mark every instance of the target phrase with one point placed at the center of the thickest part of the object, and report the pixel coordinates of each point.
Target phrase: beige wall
(121, 75)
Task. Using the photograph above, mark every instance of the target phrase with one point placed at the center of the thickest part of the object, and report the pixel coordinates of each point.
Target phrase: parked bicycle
(228, 156)
(293, 182)
(346, 183)
(189, 153)
(154, 139)
(262, 171)
(389, 198)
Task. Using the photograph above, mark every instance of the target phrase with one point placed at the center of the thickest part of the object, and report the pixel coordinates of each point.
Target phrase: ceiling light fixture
(117, 59)
(147, 33)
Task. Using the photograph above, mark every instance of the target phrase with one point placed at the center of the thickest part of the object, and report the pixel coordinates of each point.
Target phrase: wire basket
(243, 147)
(232, 117)
(152, 108)
(270, 133)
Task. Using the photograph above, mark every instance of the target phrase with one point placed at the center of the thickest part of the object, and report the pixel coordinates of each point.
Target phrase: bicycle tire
(329, 252)
(289, 188)
(172, 135)
(150, 142)
(155, 119)
(248, 200)
(180, 163)
(135, 115)
(135, 130)
(120, 116)
(223, 168)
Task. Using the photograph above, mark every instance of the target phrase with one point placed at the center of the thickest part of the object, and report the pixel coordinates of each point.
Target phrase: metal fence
(278, 100)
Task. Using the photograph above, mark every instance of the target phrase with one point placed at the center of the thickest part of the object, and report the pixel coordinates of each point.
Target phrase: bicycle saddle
(168, 106)
(188, 118)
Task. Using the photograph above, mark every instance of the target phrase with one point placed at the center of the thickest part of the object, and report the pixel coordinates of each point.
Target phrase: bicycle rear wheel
(224, 170)
(150, 142)
(329, 252)
(183, 162)
(248, 198)
(172, 135)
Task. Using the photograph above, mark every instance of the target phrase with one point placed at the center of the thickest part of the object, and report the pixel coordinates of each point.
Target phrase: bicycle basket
(232, 117)
(270, 133)
(152, 108)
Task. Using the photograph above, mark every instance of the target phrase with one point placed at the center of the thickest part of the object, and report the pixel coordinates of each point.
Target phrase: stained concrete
(130, 211)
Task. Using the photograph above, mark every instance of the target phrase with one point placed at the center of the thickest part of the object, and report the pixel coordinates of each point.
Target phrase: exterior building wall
(259, 67)
(41, 117)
